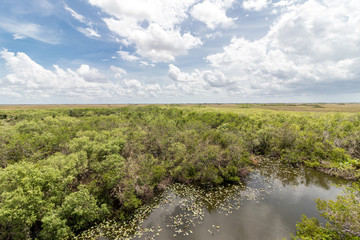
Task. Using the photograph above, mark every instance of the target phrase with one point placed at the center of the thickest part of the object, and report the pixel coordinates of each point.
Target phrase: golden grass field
(309, 107)
(324, 107)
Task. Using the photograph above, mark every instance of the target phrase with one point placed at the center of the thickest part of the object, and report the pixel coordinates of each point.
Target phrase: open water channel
(266, 206)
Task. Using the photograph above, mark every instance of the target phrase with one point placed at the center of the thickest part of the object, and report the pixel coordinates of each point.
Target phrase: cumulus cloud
(201, 82)
(185, 83)
(213, 13)
(151, 26)
(209, 78)
(155, 42)
(117, 71)
(135, 87)
(216, 79)
(166, 13)
(127, 56)
(91, 74)
(132, 84)
(175, 74)
(29, 80)
(312, 45)
(255, 5)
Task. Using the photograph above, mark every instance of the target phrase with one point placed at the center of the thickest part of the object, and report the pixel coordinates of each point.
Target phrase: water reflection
(273, 169)
(267, 206)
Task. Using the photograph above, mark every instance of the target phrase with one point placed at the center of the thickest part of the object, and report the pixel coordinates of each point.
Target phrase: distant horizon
(209, 103)
(189, 51)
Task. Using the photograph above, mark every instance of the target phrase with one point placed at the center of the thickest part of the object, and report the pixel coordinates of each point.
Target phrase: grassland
(236, 108)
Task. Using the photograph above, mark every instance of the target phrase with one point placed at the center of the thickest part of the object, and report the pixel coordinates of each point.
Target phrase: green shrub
(122, 156)
(343, 218)
(80, 209)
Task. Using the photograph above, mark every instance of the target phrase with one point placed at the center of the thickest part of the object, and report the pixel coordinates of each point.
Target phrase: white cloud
(38, 7)
(213, 13)
(27, 79)
(23, 30)
(311, 45)
(185, 83)
(89, 32)
(151, 26)
(214, 35)
(153, 88)
(76, 15)
(284, 3)
(136, 88)
(43, 6)
(118, 72)
(155, 42)
(166, 13)
(256, 5)
(132, 84)
(26, 76)
(127, 56)
(90, 74)
(175, 74)
(146, 64)
(18, 36)
(200, 82)
(216, 79)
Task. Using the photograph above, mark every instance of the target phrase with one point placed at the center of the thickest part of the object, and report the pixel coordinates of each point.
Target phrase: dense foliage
(343, 217)
(63, 170)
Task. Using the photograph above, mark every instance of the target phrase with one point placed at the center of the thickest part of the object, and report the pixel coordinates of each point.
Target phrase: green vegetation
(343, 215)
(64, 170)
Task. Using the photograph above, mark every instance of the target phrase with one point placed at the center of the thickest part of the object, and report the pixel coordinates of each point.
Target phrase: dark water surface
(267, 206)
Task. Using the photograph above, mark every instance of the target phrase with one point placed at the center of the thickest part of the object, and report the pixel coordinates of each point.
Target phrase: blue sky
(179, 51)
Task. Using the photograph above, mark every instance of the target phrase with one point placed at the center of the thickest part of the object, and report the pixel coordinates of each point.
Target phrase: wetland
(179, 171)
(267, 205)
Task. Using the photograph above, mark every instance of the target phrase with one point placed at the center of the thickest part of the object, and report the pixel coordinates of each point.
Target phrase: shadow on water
(266, 206)
(287, 175)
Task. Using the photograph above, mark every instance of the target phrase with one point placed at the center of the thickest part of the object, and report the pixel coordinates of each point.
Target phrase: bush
(343, 218)
(121, 156)
(80, 209)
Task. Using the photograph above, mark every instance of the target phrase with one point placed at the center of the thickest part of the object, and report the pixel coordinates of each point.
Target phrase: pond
(266, 206)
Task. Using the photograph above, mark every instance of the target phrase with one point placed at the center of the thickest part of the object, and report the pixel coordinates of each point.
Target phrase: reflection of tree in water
(313, 177)
(275, 170)
(290, 175)
(209, 198)
(190, 203)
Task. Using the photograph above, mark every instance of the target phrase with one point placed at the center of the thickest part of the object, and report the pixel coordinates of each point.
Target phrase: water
(266, 206)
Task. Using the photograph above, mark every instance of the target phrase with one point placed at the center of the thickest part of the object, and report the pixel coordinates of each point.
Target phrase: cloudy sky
(179, 51)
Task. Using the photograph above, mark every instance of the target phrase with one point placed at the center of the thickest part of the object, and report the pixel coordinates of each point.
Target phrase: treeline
(64, 170)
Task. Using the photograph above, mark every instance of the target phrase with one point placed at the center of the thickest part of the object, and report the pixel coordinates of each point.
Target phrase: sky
(179, 51)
